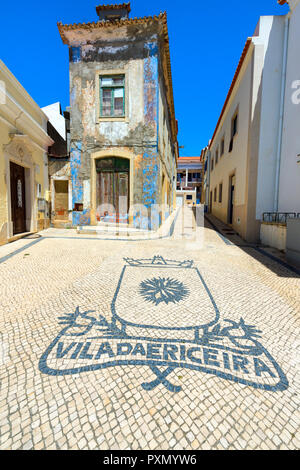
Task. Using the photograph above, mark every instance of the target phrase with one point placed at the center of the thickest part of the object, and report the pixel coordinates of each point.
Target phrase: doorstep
(19, 236)
(117, 231)
(112, 230)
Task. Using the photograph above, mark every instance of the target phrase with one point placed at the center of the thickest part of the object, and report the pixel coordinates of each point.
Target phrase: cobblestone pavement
(166, 344)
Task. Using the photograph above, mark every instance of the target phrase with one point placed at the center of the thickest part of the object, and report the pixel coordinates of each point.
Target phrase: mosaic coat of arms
(164, 316)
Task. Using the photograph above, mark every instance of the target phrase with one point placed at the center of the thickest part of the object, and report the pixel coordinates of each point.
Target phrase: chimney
(113, 12)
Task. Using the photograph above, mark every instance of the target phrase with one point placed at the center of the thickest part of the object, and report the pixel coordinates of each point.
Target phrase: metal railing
(279, 217)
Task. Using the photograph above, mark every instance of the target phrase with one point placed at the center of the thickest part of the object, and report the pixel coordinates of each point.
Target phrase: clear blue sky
(206, 40)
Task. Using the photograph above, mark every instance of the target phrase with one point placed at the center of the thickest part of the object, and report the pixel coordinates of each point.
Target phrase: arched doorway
(112, 189)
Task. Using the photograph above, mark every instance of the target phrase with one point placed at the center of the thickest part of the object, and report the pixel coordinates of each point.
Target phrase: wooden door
(112, 189)
(121, 192)
(18, 203)
(105, 194)
(112, 196)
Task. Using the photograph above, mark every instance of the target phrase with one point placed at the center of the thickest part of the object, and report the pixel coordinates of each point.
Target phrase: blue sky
(206, 40)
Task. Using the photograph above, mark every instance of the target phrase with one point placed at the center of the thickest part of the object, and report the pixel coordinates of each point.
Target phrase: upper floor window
(113, 17)
(212, 164)
(112, 96)
(234, 130)
(222, 146)
(217, 156)
(234, 125)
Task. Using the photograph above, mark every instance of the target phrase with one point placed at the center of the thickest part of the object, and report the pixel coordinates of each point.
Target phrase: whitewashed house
(255, 147)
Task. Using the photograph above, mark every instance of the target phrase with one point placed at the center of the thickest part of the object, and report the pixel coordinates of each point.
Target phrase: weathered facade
(60, 183)
(24, 143)
(123, 129)
(204, 157)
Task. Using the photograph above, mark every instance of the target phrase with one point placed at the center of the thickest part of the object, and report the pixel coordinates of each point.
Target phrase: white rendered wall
(271, 35)
(273, 235)
(235, 161)
(57, 120)
(289, 187)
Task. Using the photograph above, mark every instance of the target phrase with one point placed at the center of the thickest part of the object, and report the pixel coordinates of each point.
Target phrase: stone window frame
(108, 73)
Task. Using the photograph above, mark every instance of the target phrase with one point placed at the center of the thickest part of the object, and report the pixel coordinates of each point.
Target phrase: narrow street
(184, 342)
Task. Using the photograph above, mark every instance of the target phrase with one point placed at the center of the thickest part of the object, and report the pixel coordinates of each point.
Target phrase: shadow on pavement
(271, 258)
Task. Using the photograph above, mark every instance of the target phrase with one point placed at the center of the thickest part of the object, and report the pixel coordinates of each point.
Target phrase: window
(215, 194)
(222, 146)
(112, 164)
(234, 129)
(217, 156)
(189, 197)
(212, 164)
(39, 190)
(220, 191)
(234, 125)
(112, 96)
(113, 17)
(78, 207)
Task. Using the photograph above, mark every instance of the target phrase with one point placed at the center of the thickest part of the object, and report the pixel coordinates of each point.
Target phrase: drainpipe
(281, 115)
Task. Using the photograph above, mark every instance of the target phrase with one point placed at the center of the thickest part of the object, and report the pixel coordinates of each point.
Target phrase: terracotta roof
(282, 2)
(236, 75)
(168, 72)
(122, 6)
(166, 59)
(108, 24)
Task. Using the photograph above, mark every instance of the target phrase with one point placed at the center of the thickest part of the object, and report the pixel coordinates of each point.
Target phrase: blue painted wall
(78, 217)
(151, 162)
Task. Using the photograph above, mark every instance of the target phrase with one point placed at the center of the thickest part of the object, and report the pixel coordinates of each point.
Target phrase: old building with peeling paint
(123, 129)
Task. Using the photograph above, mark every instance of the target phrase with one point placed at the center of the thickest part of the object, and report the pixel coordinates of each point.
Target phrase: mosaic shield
(164, 317)
(158, 298)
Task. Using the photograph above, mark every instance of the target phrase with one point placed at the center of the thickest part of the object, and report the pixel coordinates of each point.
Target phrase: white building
(253, 152)
(289, 170)
(56, 118)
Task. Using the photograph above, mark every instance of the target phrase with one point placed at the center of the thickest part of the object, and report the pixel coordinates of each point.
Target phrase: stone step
(60, 223)
(112, 229)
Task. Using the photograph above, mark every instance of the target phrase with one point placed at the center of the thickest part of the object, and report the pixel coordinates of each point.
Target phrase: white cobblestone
(108, 408)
